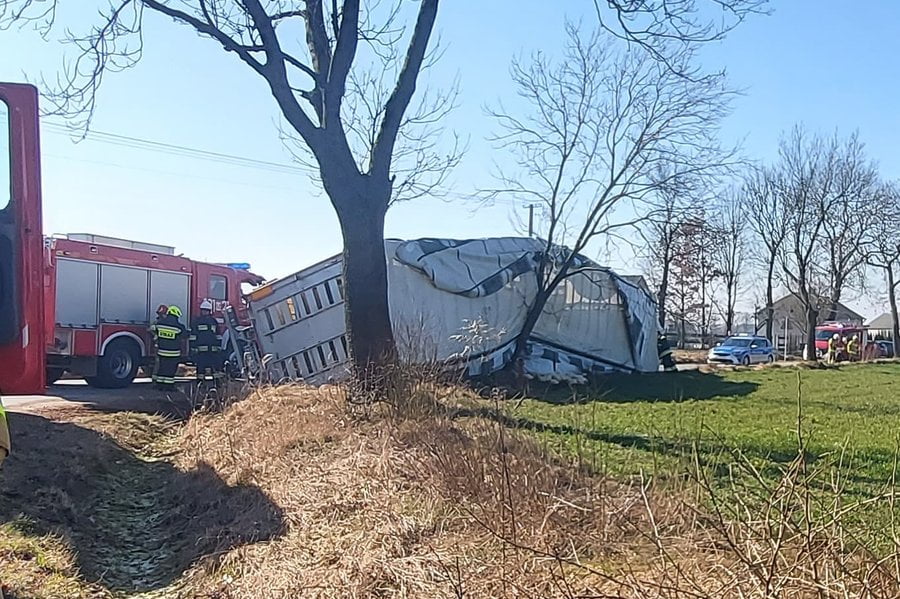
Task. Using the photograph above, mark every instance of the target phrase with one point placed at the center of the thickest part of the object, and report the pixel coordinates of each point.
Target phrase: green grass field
(662, 424)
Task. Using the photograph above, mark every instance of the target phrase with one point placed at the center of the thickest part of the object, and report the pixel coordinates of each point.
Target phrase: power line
(177, 150)
(170, 173)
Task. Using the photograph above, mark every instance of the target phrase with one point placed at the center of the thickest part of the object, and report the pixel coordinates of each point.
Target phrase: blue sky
(812, 61)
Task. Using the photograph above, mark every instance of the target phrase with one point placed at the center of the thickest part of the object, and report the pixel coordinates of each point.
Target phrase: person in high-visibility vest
(853, 348)
(168, 332)
(665, 353)
(5, 446)
(206, 344)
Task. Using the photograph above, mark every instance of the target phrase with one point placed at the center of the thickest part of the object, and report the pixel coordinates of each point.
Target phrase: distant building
(881, 327)
(790, 322)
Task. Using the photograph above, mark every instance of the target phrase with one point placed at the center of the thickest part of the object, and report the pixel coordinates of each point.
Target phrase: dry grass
(447, 505)
(293, 492)
(389, 507)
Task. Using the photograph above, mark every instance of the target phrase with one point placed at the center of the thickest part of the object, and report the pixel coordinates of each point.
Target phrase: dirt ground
(108, 506)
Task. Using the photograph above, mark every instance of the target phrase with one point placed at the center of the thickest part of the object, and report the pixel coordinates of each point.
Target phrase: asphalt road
(139, 396)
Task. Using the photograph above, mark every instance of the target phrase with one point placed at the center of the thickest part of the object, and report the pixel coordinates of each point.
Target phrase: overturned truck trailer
(463, 303)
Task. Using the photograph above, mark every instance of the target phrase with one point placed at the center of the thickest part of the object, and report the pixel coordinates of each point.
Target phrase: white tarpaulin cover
(467, 300)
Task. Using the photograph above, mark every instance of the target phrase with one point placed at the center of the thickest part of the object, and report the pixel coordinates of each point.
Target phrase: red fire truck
(81, 303)
(101, 295)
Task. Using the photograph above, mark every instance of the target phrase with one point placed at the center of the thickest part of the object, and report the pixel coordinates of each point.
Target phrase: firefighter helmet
(206, 305)
(175, 311)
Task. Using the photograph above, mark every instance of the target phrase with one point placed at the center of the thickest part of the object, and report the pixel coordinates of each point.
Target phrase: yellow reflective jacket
(4, 435)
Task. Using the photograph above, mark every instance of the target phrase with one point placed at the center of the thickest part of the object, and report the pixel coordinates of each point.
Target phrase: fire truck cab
(101, 294)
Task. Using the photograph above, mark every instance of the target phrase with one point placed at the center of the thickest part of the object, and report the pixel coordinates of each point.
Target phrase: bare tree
(692, 273)
(602, 121)
(850, 215)
(704, 259)
(362, 148)
(673, 204)
(765, 218)
(729, 225)
(881, 246)
(807, 177)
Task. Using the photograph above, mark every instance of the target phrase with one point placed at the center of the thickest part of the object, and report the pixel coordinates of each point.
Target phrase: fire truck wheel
(117, 366)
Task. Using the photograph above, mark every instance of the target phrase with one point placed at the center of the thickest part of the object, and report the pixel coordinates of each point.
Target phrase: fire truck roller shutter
(123, 295)
(171, 289)
(77, 288)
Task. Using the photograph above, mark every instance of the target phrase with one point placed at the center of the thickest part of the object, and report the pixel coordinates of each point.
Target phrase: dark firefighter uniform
(168, 332)
(206, 344)
(665, 354)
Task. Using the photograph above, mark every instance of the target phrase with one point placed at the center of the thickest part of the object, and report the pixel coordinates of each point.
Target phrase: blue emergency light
(238, 265)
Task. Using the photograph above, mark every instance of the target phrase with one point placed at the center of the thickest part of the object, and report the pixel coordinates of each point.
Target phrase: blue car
(743, 350)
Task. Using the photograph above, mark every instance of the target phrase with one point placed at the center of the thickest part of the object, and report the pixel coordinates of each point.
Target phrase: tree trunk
(835, 300)
(661, 296)
(369, 332)
(770, 301)
(892, 298)
(812, 317)
(729, 309)
(534, 314)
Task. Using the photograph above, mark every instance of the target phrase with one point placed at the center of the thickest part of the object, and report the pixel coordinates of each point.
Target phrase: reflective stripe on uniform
(165, 380)
(205, 327)
(168, 353)
(666, 352)
(167, 332)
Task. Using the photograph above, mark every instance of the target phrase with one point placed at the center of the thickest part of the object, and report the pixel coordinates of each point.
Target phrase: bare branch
(663, 28)
(397, 104)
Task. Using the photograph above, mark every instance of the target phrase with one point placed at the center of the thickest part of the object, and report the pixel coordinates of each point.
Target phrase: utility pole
(531, 220)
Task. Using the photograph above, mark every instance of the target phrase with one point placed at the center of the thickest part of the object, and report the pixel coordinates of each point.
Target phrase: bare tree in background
(692, 273)
(600, 123)
(311, 55)
(673, 204)
(807, 178)
(853, 212)
(704, 258)
(764, 207)
(729, 227)
(881, 245)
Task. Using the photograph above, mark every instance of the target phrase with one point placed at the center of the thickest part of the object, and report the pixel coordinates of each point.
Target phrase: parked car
(742, 349)
(883, 349)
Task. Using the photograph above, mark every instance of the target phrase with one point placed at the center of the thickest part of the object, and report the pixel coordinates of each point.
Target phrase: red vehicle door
(21, 243)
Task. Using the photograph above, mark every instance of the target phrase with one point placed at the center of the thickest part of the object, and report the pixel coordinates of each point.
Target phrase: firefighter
(831, 356)
(4, 435)
(665, 353)
(853, 348)
(205, 341)
(168, 333)
(161, 312)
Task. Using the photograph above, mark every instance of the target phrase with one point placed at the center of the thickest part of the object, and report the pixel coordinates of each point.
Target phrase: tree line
(818, 221)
